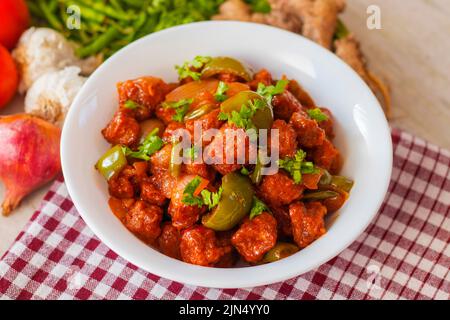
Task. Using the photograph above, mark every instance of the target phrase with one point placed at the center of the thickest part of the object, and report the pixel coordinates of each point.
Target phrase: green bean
(50, 16)
(116, 5)
(35, 10)
(100, 43)
(134, 3)
(105, 9)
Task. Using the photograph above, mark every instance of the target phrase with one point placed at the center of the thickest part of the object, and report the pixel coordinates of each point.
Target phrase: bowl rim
(203, 275)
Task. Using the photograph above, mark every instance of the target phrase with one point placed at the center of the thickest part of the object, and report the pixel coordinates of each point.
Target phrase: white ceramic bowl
(362, 135)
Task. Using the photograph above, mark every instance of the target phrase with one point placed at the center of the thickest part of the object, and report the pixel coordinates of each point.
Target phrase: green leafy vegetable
(188, 193)
(258, 208)
(149, 146)
(208, 198)
(262, 6)
(297, 166)
(269, 91)
(211, 199)
(191, 68)
(181, 108)
(108, 25)
(243, 117)
(317, 114)
(130, 104)
(220, 92)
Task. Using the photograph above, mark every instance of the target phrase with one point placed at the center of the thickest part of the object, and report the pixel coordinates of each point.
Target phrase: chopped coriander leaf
(130, 104)
(243, 117)
(188, 193)
(261, 6)
(186, 70)
(317, 114)
(245, 171)
(258, 208)
(296, 166)
(149, 146)
(269, 91)
(211, 199)
(222, 116)
(181, 108)
(220, 92)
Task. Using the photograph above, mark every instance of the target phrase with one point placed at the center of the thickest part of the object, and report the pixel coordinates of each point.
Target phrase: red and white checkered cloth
(404, 253)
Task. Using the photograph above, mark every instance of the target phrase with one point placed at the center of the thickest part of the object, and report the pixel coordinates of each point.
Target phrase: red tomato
(9, 77)
(14, 20)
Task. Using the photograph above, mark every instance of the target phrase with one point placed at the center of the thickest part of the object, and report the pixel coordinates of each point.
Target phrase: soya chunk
(255, 237)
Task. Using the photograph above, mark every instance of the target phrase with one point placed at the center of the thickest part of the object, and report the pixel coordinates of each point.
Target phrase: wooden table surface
(411, 51)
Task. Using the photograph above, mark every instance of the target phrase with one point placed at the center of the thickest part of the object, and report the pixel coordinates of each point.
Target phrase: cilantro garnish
(149, 146)
(130, 104)
(181, 108)
(208, 198)
(297, 166)
(211, 199)
(220, 92)
(188, 69)
(188, 193)
(317, 114)
(269, 91)
(258, 208)
(243, 117)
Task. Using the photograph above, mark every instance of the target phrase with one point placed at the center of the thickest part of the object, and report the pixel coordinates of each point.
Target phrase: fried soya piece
(164, 181)
(122, 129)
(120, 187)
(301, 94)
(144, 220)
(279, 189)
(151, 193)
(160, 160)
(262, 76)
(199, 246)
(171, 129)
(309, 134)
(285, 105)
(255, 237)
(326, 156)
(183, 215)
(143, 94)
(287, 139)
(230, 258)
(327, 125)
(281, 214)
(169, 241)
(307, 222)
(229, 149)
(205, 122)
(200, 169)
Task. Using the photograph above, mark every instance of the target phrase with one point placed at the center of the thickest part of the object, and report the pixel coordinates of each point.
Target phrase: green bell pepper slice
(219, 65)
(112, 162)
(235, 203)
(280, 251)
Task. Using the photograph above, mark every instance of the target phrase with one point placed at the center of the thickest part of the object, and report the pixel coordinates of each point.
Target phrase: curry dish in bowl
(191, 194)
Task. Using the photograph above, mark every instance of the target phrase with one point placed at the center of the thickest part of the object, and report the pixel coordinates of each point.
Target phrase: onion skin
(29, 156)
